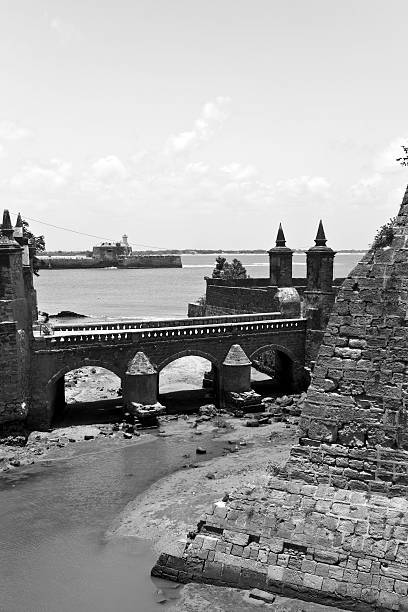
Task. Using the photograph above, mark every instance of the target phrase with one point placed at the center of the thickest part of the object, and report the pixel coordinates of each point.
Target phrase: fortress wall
(13, 372)
(136, 261)
(236, 300)
(152, 261)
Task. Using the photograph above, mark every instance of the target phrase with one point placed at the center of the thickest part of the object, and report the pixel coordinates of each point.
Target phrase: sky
(203, 123)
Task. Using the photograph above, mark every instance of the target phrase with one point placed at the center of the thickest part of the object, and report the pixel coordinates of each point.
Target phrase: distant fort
(110, 254)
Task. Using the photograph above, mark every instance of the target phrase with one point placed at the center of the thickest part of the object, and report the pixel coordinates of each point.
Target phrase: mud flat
(173, 506)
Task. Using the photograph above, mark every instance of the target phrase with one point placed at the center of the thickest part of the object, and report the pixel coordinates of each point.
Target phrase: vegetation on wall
(38, 242)
(385, 234)
(229, 270)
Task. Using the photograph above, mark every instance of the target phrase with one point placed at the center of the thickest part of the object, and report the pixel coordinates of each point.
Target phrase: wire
(67, 229)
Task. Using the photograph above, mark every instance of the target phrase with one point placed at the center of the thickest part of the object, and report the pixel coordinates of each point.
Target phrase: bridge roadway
(113, 344)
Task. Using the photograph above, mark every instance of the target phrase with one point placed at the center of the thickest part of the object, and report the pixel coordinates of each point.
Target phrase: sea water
(154, 293)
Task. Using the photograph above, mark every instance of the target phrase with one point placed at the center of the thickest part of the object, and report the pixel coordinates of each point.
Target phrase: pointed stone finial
(7, 228)
(320, 239)
(19, 230)
(280, 238)
(236, 357)
(140, 364)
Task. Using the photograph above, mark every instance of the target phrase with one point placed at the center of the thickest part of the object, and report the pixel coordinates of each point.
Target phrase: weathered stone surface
(322, 541)
(363, 404)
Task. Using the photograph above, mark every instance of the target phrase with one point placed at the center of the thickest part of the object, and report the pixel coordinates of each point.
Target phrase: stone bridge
(114, 345)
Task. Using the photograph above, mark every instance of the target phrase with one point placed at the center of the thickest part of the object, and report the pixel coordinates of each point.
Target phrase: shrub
(384, 236)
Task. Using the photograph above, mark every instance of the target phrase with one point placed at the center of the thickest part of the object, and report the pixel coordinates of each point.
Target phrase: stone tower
(15, 328)
(319, 295)
(280, 262)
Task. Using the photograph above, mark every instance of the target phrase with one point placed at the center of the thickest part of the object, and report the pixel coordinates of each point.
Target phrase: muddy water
(54, 556)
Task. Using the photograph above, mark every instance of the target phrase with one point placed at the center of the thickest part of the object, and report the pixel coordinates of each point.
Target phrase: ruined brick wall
(354, 427)
(14, 381)
(315, 542)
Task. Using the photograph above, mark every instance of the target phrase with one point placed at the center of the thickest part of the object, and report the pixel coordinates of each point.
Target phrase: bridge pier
(141, 382)
(235, 373)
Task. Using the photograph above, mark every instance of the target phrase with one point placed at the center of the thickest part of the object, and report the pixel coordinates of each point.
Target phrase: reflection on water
(53, 553)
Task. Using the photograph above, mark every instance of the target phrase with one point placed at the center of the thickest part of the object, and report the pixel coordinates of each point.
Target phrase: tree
(227, 270)
(219, 266)
(38, 242)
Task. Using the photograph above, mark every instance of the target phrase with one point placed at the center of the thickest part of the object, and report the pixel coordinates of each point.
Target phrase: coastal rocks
(207, 410)
(147, 412)
(247, 401)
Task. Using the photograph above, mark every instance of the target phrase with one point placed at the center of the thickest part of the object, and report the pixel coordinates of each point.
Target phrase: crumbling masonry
(332, 525)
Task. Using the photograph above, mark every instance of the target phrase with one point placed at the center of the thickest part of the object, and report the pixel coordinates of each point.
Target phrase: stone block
(236, 537)
(311, 581)
(231, 574)
(275, 573)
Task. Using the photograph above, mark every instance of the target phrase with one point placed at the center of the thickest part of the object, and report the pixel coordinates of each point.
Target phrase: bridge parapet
(131, 325)
(153, 334)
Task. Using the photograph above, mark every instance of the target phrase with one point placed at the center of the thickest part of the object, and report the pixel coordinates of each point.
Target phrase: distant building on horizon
(111, 252)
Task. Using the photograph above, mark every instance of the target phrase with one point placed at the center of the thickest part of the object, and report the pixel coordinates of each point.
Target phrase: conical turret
(280, 238)
(19, 229)
(320, 239)
(6, 228)
(319, 262)
(280, 262)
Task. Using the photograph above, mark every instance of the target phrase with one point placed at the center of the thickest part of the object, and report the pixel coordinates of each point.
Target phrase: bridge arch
(185, 389)
(85, 363)
(188, 353)
(55, 387)
(287, 372)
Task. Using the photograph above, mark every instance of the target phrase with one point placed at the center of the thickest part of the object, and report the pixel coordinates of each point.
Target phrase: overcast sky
(203, 123)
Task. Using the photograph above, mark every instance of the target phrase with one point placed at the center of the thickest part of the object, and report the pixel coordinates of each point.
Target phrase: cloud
(11, 131)
(386, 160)
(240, 172)
(212, 115)
(304, 185)
(379, 186)
(104, 175)
(366, 189)
(38, 178)
(64, 31)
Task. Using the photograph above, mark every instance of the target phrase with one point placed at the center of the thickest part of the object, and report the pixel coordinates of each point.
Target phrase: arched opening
(85, 395)
(186, 383)
(275, 372)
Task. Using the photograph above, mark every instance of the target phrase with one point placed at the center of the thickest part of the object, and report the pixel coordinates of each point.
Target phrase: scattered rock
(207, 410)
(127, 435)
(252, 423)
(262, 595)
